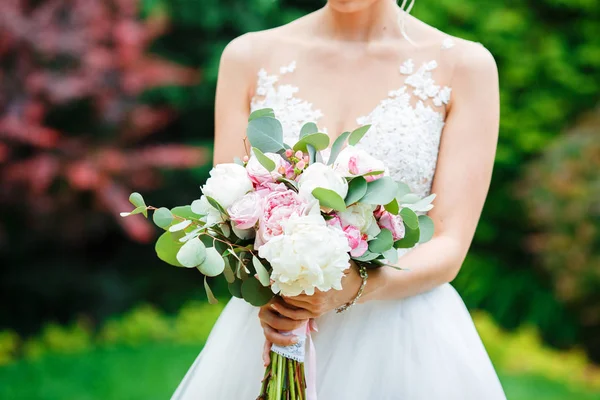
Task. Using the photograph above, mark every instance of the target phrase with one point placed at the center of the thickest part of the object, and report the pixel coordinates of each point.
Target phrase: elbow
(453, 260)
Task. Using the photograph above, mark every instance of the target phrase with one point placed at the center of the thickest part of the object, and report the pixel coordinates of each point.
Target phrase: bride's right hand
(272, 321)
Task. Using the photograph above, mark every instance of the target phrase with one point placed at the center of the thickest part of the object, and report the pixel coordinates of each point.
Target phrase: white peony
(323, 176)
(361, 216)
(353, 161)
(308, 255)
(227, 183)
(211, 216)
(259, 174)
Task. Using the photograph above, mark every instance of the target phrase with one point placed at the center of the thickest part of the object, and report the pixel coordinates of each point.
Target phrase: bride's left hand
(321, 302)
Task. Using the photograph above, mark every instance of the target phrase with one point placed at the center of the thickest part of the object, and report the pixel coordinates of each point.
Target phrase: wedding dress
(419, 348)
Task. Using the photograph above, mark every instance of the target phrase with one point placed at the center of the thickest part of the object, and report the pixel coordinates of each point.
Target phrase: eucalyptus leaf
(383, 242)
(162, 217)
(312, 154)
(422, 205)
(264, 160)
(215, 204)
(263, 112)
(211, 297)
(319, 141)
(235, 288)
(293, 185)
(266, 134)
(329, 198)
(357, 188)
(410, 218)
(411, 237)
(225, 230)
(380, 191)
(255, 293)
(137, 200)
(403, 189)
(213, 263)
(409, 198)
(192, 253)
(366, 257)
(392, 207)
(391, 255)
(187, 236)
(337, 147)
(227, 271)
(358, 134)
(166, 249)
(307, 129)
(426, 227)
(185, 212)
(238, 161)
(180, 226)
(261, 271)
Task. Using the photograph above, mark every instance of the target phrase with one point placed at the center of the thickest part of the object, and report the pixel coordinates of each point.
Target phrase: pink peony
(246, 211)
(356, 240)
(353, 161)
(277, 208)
(393, 223)
(259, 175)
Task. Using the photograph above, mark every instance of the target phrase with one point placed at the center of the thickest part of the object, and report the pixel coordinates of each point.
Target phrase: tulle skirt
(421, 348)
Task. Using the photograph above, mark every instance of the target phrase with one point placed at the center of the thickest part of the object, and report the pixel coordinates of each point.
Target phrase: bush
(562, 193)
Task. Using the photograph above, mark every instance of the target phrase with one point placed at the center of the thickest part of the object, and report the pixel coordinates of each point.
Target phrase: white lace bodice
(405, 129)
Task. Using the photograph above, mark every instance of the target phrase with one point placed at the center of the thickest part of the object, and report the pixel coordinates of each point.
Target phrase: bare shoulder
(474, 58)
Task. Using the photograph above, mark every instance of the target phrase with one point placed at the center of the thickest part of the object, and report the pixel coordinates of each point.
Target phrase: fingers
(276, 321)
(266, 356)
(295, 313)
(275, 337)
(316, 307)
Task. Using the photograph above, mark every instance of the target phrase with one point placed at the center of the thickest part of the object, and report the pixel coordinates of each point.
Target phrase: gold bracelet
(364, 275)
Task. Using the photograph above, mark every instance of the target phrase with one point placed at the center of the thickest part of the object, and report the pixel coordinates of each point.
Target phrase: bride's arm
(461, 183)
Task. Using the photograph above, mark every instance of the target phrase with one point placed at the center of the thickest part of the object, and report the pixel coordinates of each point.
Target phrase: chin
(350, 6)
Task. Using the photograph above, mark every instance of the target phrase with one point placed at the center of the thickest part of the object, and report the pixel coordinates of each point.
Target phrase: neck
(374, 22)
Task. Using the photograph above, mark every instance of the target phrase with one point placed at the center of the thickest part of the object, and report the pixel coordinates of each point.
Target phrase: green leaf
(255, 293)
(266, 134)
(381, 191)
(166, 248)
(368, 256)
(228, 271)
(211, 297)
(319, 141)
(192, 253)
(383, 242)
(184, 212)
(410, 218)
(403, 189)
(392, 207)
(391, 255)
(235, 288)
(238, 161)
(263, 112)
(216, 205)
(261, 271)
(358, 134)
(137, 200)
(180, 226)
(409, 198)
(213, 263)
(411, 237)
(357, 188)
(329, 198)
(337, 147)
(264, 160)
(137, 210)
(312, 154)
(426, 227)
(293, 185)
(307, 129)
(162, 217)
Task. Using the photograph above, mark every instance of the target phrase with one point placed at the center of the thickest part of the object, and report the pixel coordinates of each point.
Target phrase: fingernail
(273, 307)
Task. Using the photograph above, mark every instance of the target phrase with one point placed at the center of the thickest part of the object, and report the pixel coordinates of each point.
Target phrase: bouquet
(282, 221)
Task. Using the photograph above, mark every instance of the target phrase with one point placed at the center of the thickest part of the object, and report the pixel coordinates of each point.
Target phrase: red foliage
(60, 52)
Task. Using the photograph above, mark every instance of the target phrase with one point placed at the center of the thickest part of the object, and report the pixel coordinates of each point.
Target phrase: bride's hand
(323, 302)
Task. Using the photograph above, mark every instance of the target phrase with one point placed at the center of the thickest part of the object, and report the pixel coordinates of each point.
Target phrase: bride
(432, 101)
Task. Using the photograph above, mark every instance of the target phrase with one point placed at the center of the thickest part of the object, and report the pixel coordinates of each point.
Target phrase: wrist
(376, 284)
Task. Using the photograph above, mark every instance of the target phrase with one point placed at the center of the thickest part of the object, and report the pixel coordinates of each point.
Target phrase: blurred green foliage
(147, 346)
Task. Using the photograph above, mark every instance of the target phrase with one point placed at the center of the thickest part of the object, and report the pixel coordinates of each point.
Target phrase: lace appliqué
(295, 351)
(425, 87)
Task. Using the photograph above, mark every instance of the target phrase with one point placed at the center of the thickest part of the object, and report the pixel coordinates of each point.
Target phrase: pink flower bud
(301, 164)
(289, 152)
(246, 158)
(299, 155)
(305, 160)
(281, 170)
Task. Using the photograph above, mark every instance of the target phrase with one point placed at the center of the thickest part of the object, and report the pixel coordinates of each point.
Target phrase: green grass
(153, 371)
